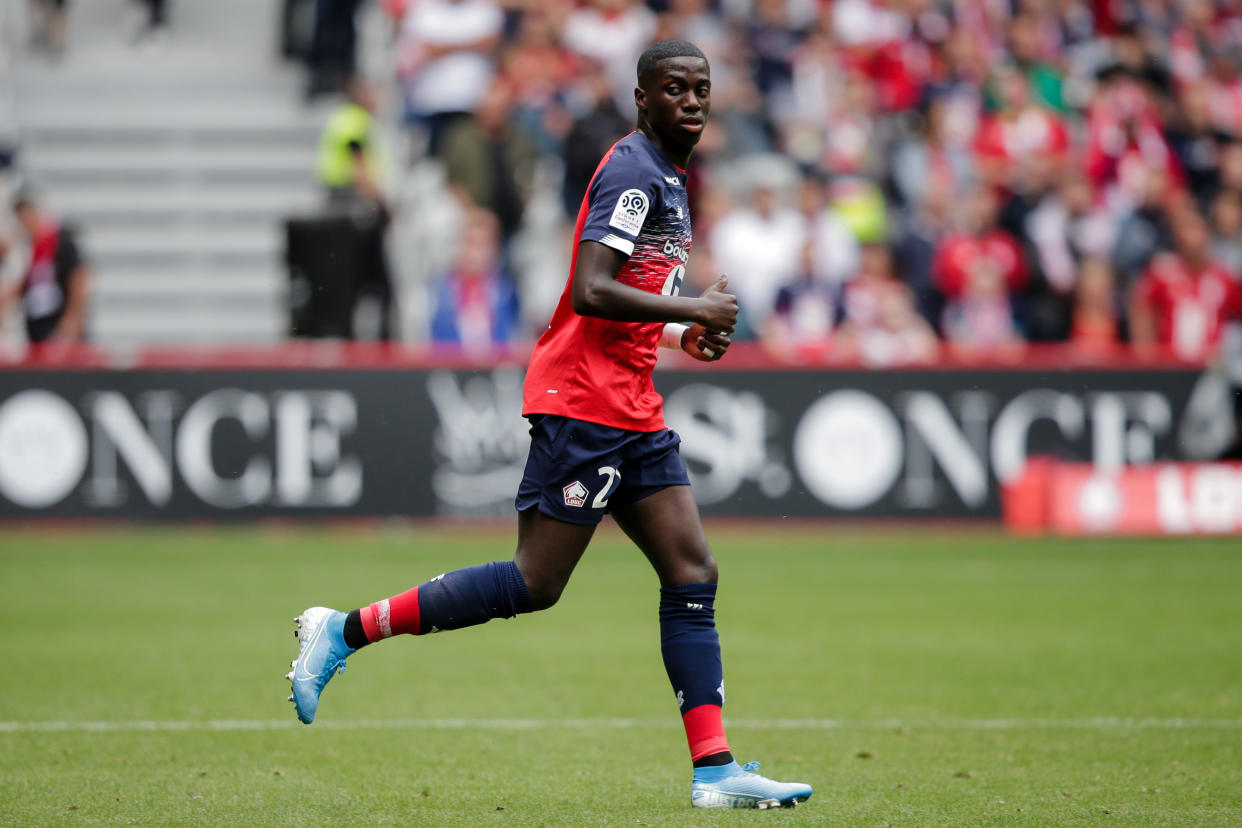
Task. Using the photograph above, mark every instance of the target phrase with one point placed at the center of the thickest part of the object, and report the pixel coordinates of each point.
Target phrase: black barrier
(156, 444)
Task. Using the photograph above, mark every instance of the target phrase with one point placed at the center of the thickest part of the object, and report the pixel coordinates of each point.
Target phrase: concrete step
(216, 36)
(170, 157)
(180, 165)
(216, 202)
(139, 286)
(111, 79)
(100, 118)
(139, 326)
(155, 137)
(257, 240)
(166, 177)
(182, 259)
(191, 311)
(240, 218)
(189, 307)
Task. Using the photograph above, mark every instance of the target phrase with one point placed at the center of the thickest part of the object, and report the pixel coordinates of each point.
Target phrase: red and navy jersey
(595, 369)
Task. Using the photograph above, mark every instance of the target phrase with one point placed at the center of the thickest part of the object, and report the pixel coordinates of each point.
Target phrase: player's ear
(640, 99)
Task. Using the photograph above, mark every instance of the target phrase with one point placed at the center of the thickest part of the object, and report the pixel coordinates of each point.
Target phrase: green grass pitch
(929, 677)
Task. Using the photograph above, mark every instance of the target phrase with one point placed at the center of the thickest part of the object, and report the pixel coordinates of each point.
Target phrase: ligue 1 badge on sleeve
(630, 212)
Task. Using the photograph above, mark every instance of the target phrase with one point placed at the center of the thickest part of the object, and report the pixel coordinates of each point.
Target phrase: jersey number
(614, 476)
(672, 282)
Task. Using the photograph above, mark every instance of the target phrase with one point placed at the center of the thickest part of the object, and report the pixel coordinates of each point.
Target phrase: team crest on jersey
(630, 211)
(575, 494)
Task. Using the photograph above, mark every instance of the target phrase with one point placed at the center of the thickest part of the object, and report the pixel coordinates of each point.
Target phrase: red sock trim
(369, 627)
(705, 731)
(397, 615)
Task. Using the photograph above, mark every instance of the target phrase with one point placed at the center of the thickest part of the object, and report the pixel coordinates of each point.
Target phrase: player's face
(677, 98)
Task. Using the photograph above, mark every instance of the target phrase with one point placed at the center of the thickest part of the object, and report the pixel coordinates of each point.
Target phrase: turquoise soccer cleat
(321, 653)
(731, 786)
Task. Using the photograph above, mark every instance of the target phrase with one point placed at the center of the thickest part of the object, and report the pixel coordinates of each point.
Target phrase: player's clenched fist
(704, 345)
(717, 309)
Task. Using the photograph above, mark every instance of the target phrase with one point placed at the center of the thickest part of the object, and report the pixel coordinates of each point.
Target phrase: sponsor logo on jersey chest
(672, 248)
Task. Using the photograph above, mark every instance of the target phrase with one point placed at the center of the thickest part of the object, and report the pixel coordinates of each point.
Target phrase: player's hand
(704, 345)
(717, 309)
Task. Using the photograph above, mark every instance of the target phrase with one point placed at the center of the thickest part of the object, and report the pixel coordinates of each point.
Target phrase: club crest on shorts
(575, 494)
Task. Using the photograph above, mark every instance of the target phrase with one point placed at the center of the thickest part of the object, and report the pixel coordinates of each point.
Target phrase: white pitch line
(231, 725)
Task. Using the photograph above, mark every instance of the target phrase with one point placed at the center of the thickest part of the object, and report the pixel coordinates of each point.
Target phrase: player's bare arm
(596, 292)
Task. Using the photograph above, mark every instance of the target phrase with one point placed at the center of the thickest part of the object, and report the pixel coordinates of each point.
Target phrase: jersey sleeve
(621, 197)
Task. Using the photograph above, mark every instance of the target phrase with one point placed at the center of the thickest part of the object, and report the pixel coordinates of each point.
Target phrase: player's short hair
(662, 50)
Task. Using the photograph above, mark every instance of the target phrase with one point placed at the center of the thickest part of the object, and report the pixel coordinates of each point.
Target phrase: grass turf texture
(972, 679)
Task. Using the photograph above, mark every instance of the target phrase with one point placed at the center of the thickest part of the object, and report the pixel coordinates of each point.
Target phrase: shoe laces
(337, 667)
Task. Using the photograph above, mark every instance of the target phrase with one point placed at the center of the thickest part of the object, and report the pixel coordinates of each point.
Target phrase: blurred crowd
(882, 179)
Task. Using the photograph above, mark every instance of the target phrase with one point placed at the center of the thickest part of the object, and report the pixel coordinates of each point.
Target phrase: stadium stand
(1092, 126)
(179, 164)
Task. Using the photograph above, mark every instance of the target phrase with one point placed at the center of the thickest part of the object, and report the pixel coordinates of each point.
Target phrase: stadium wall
(357, 432)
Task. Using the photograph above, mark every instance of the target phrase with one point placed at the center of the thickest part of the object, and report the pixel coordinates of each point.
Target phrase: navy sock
(466, 597)
(355, 634)
(715, 760)
(690, 645)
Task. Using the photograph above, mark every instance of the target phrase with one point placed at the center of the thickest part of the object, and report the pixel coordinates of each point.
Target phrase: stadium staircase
(179, 164)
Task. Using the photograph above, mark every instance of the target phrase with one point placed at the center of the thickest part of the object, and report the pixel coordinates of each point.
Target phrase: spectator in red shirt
(882, 326)
(977, 270)
(1184, 299)
(982, 243)
(55, 289)
(1020, 134)
(1192, 39)
(1125, 134)
(1223, 89)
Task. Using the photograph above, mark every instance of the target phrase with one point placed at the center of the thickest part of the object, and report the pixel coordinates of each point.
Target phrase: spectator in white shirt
(447, 60)
(759, 245)
(614, 33)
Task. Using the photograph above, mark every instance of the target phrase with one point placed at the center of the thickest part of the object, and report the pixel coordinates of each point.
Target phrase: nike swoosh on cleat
(307, 646)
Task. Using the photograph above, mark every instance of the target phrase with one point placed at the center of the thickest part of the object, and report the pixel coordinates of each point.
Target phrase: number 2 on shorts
(614, 477)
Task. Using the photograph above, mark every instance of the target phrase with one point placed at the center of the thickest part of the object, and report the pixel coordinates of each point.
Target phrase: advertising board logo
(1101, 503)
(43, 449)
(1203, 497)
(480, 442)
(728, 439)
(848, 449)
(287, 446)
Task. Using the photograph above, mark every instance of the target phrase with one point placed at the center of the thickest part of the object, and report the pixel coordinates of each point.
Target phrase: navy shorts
(577, 471)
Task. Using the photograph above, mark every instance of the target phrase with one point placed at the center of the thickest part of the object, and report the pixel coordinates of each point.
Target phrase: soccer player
(598, 439)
